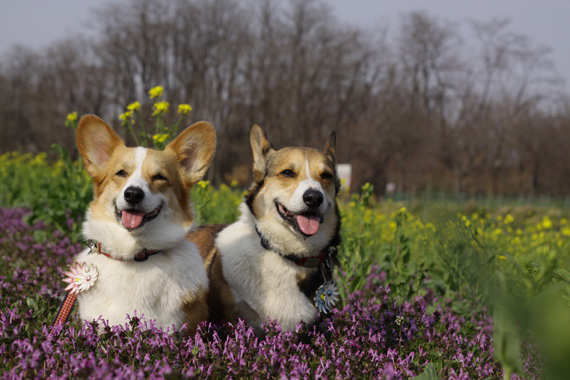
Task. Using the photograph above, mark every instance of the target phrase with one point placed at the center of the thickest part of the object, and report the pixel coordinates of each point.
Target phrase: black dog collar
(308, 262)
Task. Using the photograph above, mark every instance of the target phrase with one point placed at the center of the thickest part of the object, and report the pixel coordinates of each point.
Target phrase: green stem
(175, 127)
(143, 128)
(132, 132)
(158, 126)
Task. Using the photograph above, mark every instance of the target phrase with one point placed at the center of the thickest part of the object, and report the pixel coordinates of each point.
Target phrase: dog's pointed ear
(194, 148)
(260, 147)
(330, 147)
(96, 142)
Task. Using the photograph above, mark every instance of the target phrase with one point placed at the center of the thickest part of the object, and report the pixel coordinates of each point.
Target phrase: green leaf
(30, 302)
(562, 274)
(406, 255)
(506, 336)
(428, 374)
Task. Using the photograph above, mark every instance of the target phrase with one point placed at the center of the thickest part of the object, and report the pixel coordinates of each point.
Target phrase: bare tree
(424, 109)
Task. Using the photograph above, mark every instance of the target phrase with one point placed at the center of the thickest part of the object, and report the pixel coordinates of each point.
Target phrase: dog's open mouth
(306, 223)
(132, 219)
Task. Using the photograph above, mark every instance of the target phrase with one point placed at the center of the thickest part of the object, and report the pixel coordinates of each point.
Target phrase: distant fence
(562, 202)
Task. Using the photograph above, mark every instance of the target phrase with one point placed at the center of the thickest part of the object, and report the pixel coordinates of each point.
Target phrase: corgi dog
(137, 225)
(270, 263)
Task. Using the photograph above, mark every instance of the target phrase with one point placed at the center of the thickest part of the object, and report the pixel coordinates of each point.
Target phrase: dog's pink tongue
(132, 219)
(309, 224)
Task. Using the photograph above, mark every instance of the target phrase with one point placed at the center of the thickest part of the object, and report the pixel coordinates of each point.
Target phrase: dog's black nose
(313, 198)
(134, 195)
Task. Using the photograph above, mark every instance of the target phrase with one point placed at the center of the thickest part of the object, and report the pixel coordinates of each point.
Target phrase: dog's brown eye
(159, 177)
(326, 175)
(288, 173)
(121, 173)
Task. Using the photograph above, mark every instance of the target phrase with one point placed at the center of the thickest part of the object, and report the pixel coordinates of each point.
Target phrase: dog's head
(293, 198)
(143, 192)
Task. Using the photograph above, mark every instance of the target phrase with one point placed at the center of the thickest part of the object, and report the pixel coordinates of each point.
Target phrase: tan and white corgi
(270, 263)
(137, 224)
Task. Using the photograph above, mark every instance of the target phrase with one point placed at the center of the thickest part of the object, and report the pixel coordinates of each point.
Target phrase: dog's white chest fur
(263, 283)
(155, 288)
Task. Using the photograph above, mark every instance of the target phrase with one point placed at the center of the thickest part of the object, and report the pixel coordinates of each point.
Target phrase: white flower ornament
(80, 278)
(326, 296)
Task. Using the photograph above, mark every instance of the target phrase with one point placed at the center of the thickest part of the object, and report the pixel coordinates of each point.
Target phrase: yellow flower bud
(71, 119)
(160, 108)
(155, 92)
(184, 109)
(134, 106)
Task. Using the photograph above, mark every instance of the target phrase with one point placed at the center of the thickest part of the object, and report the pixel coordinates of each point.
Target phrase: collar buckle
(142, 255)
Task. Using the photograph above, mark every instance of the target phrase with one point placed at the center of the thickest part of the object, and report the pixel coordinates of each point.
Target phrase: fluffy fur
(292, 206)
(142, 202)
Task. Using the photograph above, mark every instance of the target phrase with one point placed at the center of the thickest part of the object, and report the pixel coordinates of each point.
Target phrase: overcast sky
(37, 23)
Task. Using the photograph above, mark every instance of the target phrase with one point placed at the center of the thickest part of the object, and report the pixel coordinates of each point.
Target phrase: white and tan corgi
(137, 224)
(269, 264)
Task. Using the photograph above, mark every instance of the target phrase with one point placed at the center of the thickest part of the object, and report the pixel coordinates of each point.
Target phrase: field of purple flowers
(375, 335)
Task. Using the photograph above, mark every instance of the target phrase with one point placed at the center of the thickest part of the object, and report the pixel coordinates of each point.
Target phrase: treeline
(471, 108)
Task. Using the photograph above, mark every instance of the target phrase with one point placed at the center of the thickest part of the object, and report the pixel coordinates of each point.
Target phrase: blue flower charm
(326, 296)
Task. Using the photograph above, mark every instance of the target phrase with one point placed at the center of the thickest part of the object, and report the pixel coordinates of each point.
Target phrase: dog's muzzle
(306, 223)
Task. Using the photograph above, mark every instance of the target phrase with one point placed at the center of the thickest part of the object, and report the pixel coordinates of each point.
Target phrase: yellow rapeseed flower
(125, 116)
(367, 216)
(155, 92)
(203, 184)
(70, 119)
(160, 107)
(160, 138)
(509, 219)
(57, 168)
(546, 222)
(71, 116)
(184, 109)
(134, 106)
(39, 159)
